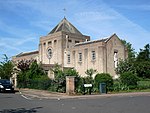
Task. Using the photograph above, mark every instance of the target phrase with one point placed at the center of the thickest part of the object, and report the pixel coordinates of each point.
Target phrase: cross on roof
(64, 12)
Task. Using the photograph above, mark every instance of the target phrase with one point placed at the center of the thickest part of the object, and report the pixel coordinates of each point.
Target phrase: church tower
(60, 39)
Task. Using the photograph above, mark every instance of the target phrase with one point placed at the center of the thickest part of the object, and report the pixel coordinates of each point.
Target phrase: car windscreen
(5, 82)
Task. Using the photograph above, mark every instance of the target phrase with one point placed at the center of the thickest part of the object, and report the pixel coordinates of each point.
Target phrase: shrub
(104, 78)
(42, 83)
(118, 86)
(129, 79)
(144, 84)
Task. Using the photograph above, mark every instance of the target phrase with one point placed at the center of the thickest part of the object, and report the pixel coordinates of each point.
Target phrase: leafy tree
(23, 65)
(59, 83)
(142, 69)
(142, 63)
(131, 51)
(129, 79)
(89, 78)
(31, 73)
(35, 71)
(90, 72)
(144, 54)
(6, 68)
(125, 66)
(71, 72)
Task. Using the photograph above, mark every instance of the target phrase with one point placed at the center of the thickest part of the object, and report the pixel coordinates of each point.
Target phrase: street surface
(18, 103)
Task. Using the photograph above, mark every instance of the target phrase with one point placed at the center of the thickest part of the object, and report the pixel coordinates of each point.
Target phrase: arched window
(49, 53)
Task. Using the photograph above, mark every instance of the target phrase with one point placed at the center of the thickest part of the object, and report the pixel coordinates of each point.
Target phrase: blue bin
(102, 88)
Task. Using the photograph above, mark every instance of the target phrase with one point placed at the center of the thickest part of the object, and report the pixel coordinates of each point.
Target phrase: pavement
(32, 93)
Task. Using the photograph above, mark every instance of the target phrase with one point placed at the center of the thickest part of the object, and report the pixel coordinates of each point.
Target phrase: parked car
(6, 86)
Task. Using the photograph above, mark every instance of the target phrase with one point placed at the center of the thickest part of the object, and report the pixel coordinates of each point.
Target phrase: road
(16, 103)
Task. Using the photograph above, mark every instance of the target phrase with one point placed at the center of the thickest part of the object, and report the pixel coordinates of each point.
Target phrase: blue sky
(22, 22)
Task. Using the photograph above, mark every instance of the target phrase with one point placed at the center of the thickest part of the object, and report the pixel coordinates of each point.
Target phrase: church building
(66, 46)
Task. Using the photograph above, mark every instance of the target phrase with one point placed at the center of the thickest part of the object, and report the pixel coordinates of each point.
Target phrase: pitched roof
(106, 39)
(27, 53)
(89, 42)
(66, 26)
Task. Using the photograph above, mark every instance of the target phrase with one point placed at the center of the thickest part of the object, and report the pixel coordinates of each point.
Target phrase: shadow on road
(21, 110)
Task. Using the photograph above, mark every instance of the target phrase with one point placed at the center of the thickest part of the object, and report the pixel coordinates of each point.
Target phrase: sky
(23, 22)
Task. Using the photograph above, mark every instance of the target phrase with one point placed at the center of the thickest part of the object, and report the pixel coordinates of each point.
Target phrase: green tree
(144, 54)
(6, 68)
(89, 78)
(30, 74)
(90, 72)
(129, 79)
(142, 63)
(35, 71)
(131, 50)
(71, 72)
(142, 69)
(59, 83)
(125, 66)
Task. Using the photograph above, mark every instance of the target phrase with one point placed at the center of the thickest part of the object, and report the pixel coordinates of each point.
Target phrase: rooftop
(94, 41)
(66, 26)
(27, 53)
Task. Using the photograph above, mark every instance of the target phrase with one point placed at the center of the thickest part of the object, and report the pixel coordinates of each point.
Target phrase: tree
(142, 63)
(6, 68)
(125, 66)
(144, 54)
(35, 71)
(71, 72)
(131, 51)
(89, 78)
(23, 65)
(129, 79)
(142, 69)
(90, 72)
(31, 75)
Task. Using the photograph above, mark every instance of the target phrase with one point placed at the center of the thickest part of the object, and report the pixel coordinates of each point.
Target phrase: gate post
(70, 85)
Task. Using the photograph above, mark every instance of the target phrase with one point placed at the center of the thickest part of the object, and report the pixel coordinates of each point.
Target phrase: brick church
(69, 48)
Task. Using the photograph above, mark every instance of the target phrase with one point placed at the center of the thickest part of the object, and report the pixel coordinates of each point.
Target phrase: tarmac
(43, 94)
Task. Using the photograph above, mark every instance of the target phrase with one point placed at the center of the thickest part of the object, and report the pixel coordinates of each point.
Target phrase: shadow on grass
(21, 110)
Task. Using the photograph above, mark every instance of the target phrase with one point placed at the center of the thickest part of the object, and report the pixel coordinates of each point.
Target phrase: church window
(93, 55)
(115, 59)
(80, 57)
(77, 41)
(55, 41)
(68, 58)
(49, 53)
(69, 40)
(50, 42)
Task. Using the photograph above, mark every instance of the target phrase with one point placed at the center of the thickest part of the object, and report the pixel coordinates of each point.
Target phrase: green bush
(104, 78)
(42, 83)
(145, 84)
(118, 86)
(129, 79)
